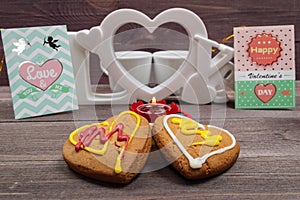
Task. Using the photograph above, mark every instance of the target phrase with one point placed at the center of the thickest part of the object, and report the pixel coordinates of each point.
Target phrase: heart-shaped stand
(199, 75)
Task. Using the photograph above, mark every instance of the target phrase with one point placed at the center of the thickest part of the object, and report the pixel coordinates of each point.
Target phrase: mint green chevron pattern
(38, 102)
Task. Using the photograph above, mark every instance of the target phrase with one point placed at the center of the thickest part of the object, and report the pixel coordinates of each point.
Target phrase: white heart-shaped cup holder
(197, 79)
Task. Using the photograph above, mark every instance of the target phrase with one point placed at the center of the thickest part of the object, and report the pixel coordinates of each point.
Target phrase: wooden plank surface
(219, 16)
(32, 167)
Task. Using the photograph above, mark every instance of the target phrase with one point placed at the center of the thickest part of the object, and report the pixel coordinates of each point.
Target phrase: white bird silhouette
(21, 46)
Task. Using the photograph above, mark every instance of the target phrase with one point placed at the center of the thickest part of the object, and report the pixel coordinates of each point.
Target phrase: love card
(40, 70)
(264, 67)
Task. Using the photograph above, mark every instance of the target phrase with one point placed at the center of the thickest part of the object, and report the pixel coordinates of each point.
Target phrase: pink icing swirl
(88, 135)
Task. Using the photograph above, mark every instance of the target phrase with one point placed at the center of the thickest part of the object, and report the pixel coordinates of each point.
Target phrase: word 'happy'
(264, 50)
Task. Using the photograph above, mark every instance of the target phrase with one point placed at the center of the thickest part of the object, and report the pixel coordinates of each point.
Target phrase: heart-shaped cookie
(109, 26)
(195, 150)
(112, 151)
(265, 92)
(42, 76)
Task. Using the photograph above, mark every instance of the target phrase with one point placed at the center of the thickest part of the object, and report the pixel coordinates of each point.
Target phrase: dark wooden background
(220, 16)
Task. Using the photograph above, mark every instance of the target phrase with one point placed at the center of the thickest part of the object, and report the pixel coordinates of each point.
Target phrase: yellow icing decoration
(190, 127)
(196, 163)
(118, 167)
(75, 132)
(212, 140)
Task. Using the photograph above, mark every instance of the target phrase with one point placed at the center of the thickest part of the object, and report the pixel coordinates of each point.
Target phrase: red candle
(155, 109)
(152, 110)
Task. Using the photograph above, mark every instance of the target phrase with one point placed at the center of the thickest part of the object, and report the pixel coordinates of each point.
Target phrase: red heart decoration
(43, 76)
(265, 92)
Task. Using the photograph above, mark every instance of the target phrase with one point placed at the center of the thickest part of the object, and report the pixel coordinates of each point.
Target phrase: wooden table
(32, 167)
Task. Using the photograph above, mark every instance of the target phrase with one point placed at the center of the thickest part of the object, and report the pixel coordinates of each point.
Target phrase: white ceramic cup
(137, 63)
(166, 63)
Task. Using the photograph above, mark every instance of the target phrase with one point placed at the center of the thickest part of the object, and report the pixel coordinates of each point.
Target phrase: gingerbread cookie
(112, 151)
(195, 150)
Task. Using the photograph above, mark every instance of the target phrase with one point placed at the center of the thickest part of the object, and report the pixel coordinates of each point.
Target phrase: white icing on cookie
(196, 163)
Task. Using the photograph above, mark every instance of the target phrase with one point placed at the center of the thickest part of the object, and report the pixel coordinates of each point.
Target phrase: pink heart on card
(265, 92)
(43, 76)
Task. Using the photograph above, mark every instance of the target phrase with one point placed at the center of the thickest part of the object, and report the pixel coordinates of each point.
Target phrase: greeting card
(40, 71)
(264, 67)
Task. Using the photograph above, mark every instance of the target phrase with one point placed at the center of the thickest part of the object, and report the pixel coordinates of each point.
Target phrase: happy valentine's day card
(264, 67)
(40, 71)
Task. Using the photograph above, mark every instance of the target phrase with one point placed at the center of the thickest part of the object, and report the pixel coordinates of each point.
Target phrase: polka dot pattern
(246, 96)
(283, 98)
(243, 36)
